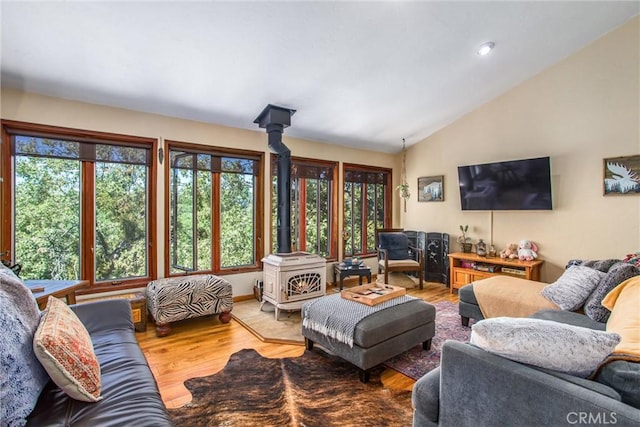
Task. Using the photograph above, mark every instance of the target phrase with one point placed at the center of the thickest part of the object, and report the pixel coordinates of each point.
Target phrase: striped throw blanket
(337, 317)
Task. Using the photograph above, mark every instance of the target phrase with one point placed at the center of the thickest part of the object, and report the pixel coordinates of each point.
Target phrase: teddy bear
(527, 250)
(510, 252)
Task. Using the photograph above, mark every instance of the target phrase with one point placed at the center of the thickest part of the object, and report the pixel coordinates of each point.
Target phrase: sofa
(477, 387)
(473, 387)
(129, 393)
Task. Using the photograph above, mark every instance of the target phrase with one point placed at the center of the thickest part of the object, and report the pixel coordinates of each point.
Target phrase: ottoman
(468, 307)
(178, 298)
(381, 335)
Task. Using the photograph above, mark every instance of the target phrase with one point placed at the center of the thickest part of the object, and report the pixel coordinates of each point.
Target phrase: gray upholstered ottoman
(186, 297)
(468, 307)
(377, 337)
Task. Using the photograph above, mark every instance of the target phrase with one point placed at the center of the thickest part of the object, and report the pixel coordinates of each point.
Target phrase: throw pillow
(22, 377)
(572, 289)
(623, 301)
(63, 346)
(616, 275)
(597, 264)
(572, 349)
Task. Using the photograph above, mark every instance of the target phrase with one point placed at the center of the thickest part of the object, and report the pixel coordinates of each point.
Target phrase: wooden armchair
(395, 254)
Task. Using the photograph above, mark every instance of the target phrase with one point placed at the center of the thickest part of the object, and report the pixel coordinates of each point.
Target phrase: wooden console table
(462, 274)
(57, 288)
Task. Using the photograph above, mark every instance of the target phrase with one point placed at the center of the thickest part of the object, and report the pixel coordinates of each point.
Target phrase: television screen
(513, 185)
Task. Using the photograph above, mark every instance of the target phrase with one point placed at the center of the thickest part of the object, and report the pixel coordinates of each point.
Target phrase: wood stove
(292, 279)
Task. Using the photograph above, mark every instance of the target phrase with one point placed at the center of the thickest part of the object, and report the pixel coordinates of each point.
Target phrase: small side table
(42, 289)
(138, 303)
(341, 271)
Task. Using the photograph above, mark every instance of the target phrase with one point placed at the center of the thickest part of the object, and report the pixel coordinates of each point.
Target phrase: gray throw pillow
(571, 349)
(597, 264)
(573, 288)
(616, 275)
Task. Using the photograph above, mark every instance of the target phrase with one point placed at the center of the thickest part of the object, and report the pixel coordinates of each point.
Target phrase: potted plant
(464, 240)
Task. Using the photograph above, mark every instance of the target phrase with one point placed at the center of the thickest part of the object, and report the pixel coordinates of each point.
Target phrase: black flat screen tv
(509, 186)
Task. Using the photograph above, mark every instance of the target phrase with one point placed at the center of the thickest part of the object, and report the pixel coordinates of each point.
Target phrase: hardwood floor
(201, 347)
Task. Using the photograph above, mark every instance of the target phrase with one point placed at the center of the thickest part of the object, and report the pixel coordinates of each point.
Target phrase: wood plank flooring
(201, 347)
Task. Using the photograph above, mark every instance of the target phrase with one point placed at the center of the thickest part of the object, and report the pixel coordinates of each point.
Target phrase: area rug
(416, 362)
(315, 389)
(262, 323)
(399, 279)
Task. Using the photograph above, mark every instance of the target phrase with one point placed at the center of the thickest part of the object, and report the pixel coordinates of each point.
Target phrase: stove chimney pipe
(274, 119)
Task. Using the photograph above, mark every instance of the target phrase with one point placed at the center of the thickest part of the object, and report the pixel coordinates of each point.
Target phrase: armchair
(395, 254)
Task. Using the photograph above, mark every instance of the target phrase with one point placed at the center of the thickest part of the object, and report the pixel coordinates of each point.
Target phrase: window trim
(12, 127)
(169, 145)
(388, 202)
(333, 213)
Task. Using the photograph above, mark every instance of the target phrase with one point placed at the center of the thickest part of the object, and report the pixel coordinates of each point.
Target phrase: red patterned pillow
(63, 346)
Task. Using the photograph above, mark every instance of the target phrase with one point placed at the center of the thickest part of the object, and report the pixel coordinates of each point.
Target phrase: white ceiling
(363, 74)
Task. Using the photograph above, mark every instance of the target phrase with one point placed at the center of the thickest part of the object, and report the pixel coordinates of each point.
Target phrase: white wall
(578, 112)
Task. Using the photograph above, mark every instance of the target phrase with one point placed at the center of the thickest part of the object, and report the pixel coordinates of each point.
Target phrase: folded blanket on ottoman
(506, 296)
(337, 317)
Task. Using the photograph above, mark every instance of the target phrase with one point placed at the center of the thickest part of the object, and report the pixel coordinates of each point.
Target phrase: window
(214, 209)
(367, 207)
(313, 224)
(81, 205)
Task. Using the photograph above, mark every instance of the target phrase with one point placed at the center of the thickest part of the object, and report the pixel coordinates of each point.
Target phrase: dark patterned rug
(416, 362)
(315, 389)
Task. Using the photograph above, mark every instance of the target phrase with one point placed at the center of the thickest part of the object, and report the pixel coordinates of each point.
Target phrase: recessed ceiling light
(485, 48)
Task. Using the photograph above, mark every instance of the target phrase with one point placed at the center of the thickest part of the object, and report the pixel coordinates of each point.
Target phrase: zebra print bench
(178, 298)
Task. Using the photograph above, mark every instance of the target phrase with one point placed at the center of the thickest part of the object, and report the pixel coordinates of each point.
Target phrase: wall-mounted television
(512, 185)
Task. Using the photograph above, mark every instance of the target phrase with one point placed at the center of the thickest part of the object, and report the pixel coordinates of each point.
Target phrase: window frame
(332, 213)
(388, 204)
(170, 145)
(12, 128)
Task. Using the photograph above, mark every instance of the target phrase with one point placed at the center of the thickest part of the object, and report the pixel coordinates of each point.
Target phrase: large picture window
(367, 207)
(313, 225)
(81, 205)
(214, 209)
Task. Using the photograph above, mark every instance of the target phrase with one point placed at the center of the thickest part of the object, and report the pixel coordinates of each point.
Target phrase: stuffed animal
(527, 250)
(510, 252)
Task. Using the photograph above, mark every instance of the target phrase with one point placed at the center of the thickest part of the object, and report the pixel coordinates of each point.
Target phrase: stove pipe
(274, 119)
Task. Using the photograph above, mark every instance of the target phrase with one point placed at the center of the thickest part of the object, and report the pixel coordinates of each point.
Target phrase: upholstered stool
(185, 297)
(379, 336)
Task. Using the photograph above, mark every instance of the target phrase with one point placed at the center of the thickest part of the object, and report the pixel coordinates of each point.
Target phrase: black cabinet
(435, 247)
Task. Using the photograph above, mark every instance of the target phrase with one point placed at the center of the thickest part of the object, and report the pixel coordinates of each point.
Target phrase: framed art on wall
(431, 188)
(622, 175)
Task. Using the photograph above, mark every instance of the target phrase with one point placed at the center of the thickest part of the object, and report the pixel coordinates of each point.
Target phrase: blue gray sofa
(479, 388)
(473, 387)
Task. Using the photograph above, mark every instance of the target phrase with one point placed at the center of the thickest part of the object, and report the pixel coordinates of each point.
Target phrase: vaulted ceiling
(363, 74)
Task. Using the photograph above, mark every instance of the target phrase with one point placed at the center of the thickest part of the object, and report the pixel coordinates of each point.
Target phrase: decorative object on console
(403, 188)
(481, 248)
(492, 251)
(464, 240)
(527, 250)
(622, 175)
(553, 345)
(431, 188)
(510, 252)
